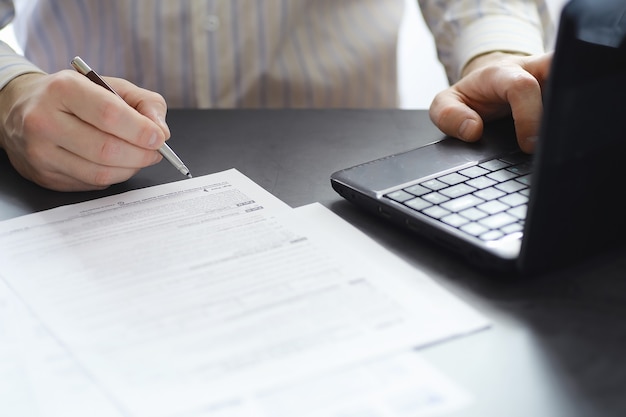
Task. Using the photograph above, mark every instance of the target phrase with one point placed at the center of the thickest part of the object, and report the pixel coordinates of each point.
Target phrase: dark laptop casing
(574, 210)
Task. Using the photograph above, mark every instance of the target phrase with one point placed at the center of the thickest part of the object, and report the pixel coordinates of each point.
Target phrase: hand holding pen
(64, 132)
(164, 150)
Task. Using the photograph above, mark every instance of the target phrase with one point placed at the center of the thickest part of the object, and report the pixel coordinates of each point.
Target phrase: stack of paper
(211, 297)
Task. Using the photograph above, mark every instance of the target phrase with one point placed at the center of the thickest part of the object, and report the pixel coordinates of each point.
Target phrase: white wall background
(420, 74)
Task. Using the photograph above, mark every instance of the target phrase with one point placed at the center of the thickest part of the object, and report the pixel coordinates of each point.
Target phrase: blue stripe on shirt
(237, 78)
(185, 57)
(135, 42)
(7, 11)
(64, 26)
(213, 58)
(284, 10)
(260, 17)
(46, 48)
(160, 67)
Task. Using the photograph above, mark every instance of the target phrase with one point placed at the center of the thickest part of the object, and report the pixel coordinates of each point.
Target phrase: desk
(558, 342)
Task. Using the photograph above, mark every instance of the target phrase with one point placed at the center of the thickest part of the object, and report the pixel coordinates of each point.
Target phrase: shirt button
(211, 23)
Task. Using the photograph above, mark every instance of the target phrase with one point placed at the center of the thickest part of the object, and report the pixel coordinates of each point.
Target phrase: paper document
(39, 379)
(203, 296)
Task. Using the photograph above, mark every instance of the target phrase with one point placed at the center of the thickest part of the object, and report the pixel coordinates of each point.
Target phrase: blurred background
(420, 74)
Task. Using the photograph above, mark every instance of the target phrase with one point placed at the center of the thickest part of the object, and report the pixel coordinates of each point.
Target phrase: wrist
(488, 58)
(9, 97)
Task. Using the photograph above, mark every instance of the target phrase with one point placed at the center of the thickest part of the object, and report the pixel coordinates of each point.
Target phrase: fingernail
(163, 124)
(153, 140)
(467, 128)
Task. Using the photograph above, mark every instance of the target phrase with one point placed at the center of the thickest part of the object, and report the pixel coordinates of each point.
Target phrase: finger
(60, 159)
(524, 96)
(539, 66)
(58, 181)
(150, 104)
(68, 172)
(101, 147)
(64, 171)
(107, 112)
(454, 118)
(526, 99)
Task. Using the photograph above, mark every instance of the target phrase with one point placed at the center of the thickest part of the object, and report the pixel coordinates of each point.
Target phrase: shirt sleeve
(7, 11)
(12, 64)
(464, 29)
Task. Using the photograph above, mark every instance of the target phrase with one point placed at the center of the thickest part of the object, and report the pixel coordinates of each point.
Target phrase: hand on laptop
(493, 86)
(66, 133)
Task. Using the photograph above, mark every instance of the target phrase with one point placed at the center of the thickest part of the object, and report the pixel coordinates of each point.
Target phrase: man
(66, 133)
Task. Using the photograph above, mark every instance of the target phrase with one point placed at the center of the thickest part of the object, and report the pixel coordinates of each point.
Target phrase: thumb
(454, 118)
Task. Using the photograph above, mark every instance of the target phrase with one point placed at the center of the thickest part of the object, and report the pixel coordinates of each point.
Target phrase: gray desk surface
(558, 342)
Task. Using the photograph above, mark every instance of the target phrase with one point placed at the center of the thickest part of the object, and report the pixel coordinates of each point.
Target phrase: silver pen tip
(189, 175)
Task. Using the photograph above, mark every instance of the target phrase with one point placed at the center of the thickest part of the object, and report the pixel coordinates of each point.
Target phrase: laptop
(505, 210)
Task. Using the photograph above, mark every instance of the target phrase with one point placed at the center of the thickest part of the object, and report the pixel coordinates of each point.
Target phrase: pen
(82, 67)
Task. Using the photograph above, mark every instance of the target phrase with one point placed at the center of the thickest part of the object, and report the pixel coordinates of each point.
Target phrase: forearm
(12, 66)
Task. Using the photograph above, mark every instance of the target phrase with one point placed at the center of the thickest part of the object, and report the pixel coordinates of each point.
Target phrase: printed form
(210, 296)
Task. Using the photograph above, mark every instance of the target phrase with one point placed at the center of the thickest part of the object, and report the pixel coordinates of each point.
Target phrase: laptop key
(491, 235)
(417, 190)
(524, 179)
(434, 184)
(510, 186)
(521, 169)
(462, 203)
(474, 171)
(519, 211)
(452, 179)
(490, 193)
(400, 196)
(473, 214)
(457, 190)
(515, 199)
(481, 182)
(502, 175)
(493, 207)
(417, 204)
(497, 220)
(494, 165)
(455, 220)
(436, 212)
(512, 228)
(474, 229)
(435, 198)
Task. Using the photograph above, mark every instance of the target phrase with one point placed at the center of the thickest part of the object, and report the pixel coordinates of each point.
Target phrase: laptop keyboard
(487, 200)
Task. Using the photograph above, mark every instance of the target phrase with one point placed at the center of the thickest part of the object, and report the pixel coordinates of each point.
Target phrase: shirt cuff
(13, 65)
(497, 33)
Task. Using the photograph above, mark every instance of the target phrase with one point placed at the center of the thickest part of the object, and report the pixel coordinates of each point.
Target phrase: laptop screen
(578, 175)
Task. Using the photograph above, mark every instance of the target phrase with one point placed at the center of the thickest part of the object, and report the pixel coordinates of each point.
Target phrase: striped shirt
(260, 53)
